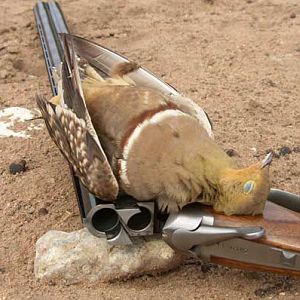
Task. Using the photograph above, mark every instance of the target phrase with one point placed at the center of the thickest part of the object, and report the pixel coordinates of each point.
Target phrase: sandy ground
(239, 59)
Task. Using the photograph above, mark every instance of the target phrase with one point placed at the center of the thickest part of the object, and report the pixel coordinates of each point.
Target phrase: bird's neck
(208, 165)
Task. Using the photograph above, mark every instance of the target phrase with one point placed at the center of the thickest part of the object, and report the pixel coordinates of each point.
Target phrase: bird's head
(244, 191)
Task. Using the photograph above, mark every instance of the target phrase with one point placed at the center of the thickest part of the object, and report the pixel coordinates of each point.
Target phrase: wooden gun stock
(282, 230)
(252, 267)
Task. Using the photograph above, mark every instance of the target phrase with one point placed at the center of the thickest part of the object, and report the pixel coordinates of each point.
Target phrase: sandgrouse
(120, 137)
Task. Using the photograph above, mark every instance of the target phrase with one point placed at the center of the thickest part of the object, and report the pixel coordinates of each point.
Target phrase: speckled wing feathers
(71, 129)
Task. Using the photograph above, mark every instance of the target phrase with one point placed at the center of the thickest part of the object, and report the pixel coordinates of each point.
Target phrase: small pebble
(2, 270)
(28, 24)
(284, 151)
(292, 15)
(296, 149)
(231, 152)
(19, 167)
(31, 210)
(43, 211)
(206, 267)
(18, 64)
(13, 50)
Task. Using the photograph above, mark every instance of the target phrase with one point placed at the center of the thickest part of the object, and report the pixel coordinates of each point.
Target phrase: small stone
(19, 167)
(231, 152)
(18, 64)
(28, 24)
(30, 210)
(13, 50)
(292, 15)
(254, 104)
(260, 293)
(43, 211)
(206, 267)
(270, 82)
(296, 149)
(281, 294)
(79, 256)
(283, 151)
(149, 58)
(2, 270)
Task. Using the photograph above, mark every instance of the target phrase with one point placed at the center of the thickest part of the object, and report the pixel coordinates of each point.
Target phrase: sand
(240, 60)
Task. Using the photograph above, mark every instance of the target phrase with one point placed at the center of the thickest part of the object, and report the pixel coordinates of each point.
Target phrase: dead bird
(120, 137)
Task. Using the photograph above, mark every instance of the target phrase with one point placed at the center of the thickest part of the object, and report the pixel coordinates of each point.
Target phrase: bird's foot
(167, 205)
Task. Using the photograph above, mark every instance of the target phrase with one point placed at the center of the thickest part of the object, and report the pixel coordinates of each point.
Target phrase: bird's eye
(249, 186)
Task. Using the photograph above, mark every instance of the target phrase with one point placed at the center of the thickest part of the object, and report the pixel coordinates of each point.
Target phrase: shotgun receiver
(270, 242)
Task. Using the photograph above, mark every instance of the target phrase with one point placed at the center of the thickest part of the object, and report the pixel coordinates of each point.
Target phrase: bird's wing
(70, 127)
(105, 60)
(188, 106)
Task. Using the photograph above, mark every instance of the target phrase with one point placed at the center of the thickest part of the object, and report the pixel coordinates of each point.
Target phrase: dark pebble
(206, 267)
(19, 167)
(231, 152)
(296, 149)
(284, 151)
(282, 285)
(2, 270)
(18, 64)
(43, 211)
(292, 15)
(261, 292)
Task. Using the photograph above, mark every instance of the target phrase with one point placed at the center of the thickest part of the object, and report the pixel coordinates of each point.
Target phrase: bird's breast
(143, 134)
(117, 110)
(154, 154)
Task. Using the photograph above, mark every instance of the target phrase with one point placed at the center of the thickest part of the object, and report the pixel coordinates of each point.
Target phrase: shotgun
(270, 242)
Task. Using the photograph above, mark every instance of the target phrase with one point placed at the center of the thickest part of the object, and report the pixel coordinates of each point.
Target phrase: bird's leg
(166, 204)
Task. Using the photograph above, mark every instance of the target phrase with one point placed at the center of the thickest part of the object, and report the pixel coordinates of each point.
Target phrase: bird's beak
(267, 160)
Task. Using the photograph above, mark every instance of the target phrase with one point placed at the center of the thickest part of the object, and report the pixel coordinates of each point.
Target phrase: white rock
(11, 116)
(79, 256)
